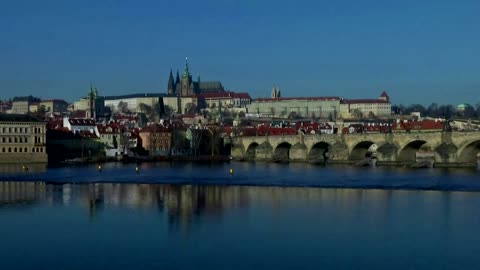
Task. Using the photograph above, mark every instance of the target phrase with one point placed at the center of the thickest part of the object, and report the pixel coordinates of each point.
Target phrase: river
(264, 216)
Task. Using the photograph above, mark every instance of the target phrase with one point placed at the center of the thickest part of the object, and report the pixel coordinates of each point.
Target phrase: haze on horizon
(418, 51)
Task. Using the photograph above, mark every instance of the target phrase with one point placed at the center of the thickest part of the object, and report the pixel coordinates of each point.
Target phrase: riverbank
(133, 159)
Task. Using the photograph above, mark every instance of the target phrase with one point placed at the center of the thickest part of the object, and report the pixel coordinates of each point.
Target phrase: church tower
(171, 84)
(384, 96)
(275, 92)
(92, 96)
(177, 79)
(186, 88)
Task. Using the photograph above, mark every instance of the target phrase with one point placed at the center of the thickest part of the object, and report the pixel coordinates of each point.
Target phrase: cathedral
(185, 86)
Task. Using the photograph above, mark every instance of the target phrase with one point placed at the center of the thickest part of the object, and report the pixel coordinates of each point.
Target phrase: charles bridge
(440, 148)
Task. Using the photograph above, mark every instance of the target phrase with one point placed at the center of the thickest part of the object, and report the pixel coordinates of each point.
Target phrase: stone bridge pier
(439, 148)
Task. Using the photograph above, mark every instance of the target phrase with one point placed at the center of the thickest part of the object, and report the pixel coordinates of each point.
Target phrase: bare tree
(215, 140)
(190, 108)
(122, 107)
(144, 108)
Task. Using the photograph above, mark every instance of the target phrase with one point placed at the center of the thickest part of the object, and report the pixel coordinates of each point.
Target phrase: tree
(432, 110)
(195, 136)
(190, 108)
(215, 140)
(115, 143)
(371, 115)
(122, 107)
(416, 108)
(241, 114)
(179, 141)
(357, 114)
(272, 111)
(331, 117)
(168, 110)
(293, 115)
(469, 112)
(144, 108)
(446, 111)
(398, 109)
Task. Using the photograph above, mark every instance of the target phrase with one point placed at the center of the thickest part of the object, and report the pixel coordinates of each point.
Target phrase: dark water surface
(265, 216)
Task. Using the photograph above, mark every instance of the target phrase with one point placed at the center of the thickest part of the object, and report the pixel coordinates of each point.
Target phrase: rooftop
(18, 118)
(151, 95)
(297, 98)
(365, 101)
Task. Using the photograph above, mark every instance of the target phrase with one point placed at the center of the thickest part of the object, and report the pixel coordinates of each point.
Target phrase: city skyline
(417, 52)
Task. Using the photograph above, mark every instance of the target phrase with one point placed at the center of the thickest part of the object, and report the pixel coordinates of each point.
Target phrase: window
(15, 130)
(26, 150)
(15, 139)
(3, 149)
(15, 149)
(9, 150)
(20, 149)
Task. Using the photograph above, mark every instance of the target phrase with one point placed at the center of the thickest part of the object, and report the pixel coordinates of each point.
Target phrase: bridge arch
(282, 152)
(251, 151)
(469, 153)
(359, 151)
(319, 152)
(408, 152)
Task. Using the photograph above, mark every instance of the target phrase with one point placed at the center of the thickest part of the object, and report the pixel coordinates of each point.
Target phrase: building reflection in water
(23, 168)
(184, 204)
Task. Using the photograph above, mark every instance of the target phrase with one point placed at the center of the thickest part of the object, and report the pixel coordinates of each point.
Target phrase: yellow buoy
(231, 171)
(137, 169)
(99, 167)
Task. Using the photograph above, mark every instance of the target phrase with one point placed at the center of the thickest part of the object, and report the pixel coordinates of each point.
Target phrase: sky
(418, 51)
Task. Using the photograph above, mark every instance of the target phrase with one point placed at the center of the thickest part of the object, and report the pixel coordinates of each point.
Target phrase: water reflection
(236, 227)
(23, 168)
(184, 204)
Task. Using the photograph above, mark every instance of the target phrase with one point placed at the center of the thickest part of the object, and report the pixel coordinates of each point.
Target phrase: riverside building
(23, 139)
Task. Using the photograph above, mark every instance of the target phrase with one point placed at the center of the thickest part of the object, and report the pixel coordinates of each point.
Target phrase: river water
(264, 216)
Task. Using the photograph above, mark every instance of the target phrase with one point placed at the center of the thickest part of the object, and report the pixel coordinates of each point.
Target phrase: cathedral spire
(177, 79)
(171, 85)
(186, 73)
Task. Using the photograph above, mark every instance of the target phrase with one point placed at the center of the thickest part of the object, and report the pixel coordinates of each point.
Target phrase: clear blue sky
(419, 51)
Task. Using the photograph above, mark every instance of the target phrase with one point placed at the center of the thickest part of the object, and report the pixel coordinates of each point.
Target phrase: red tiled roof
(223, 95)
(384, 94)
(367, 101)
(104, 129)
(79, 114)
(155, 128)
(55, 123)
(241, 95)
(54, 100)
(81, 122)
(88, 134)
(297, 98)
